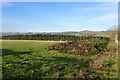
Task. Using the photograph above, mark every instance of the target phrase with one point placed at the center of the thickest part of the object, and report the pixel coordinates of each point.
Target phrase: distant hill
(81, 33)
(87, 33)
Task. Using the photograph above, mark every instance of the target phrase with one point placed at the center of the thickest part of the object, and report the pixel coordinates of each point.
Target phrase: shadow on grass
(11, 52)
(42, 66)
(46, 66)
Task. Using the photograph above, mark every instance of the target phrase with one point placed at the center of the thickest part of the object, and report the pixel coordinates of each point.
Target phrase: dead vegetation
(85, 48)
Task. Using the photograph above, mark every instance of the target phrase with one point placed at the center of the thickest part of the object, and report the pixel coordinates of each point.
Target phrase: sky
(58, 16)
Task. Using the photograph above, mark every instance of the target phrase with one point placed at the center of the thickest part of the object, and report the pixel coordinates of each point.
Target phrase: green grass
(32, 59)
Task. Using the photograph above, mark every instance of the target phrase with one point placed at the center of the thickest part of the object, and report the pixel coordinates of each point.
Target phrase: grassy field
(32, 59)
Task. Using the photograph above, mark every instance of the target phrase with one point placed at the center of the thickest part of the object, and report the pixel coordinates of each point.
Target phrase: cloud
(62, 0)
(100, 22)
(6, 4)
(106, 6)
(108, 18)
(98, 17)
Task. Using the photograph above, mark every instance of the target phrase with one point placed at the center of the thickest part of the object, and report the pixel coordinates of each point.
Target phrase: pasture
(32, 59)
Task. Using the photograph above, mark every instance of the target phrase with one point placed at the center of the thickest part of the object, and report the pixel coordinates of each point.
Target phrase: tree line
(53, 37)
